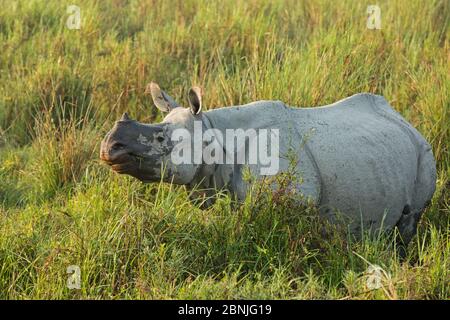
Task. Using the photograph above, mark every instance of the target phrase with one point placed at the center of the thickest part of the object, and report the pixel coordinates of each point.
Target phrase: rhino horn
(125, 117)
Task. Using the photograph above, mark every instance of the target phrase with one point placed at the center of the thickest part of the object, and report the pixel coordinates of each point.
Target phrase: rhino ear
(195, 100)
(162, 100)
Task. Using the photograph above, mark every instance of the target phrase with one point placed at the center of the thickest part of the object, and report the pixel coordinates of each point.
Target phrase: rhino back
(367, 162)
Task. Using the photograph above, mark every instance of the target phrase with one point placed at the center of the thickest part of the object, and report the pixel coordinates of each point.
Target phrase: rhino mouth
(133, 165)
(123, 168)
(125, 162)
(120, 162)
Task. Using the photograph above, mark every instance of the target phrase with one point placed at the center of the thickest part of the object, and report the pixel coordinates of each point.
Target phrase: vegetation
(62, 89)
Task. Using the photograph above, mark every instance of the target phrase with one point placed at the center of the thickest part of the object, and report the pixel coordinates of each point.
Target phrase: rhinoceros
(357, 157)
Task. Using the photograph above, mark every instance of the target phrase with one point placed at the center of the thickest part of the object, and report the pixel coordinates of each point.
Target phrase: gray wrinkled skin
(357, 156)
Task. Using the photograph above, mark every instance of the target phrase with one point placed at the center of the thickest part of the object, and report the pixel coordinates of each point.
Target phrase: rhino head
(144, 150)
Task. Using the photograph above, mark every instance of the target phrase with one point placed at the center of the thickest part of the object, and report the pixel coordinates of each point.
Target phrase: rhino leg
(407, 227)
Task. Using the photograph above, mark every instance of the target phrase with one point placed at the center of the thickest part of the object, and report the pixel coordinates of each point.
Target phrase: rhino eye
(118, 146)
(160, 139)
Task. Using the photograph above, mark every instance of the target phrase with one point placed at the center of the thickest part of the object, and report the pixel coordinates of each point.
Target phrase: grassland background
(62, 89)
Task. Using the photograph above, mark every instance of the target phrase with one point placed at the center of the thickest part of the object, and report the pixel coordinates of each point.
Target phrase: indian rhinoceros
(356, 156)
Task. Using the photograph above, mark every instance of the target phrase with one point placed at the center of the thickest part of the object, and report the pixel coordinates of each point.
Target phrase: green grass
(62, 89)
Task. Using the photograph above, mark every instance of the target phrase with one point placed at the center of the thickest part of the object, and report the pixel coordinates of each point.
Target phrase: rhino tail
(425, 183)
(407, 225)
(424, 188)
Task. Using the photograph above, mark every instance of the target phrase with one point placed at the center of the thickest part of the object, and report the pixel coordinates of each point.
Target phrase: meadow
(61, 90)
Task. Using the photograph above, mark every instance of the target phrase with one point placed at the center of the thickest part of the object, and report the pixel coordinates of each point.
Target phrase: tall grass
(62, 89)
